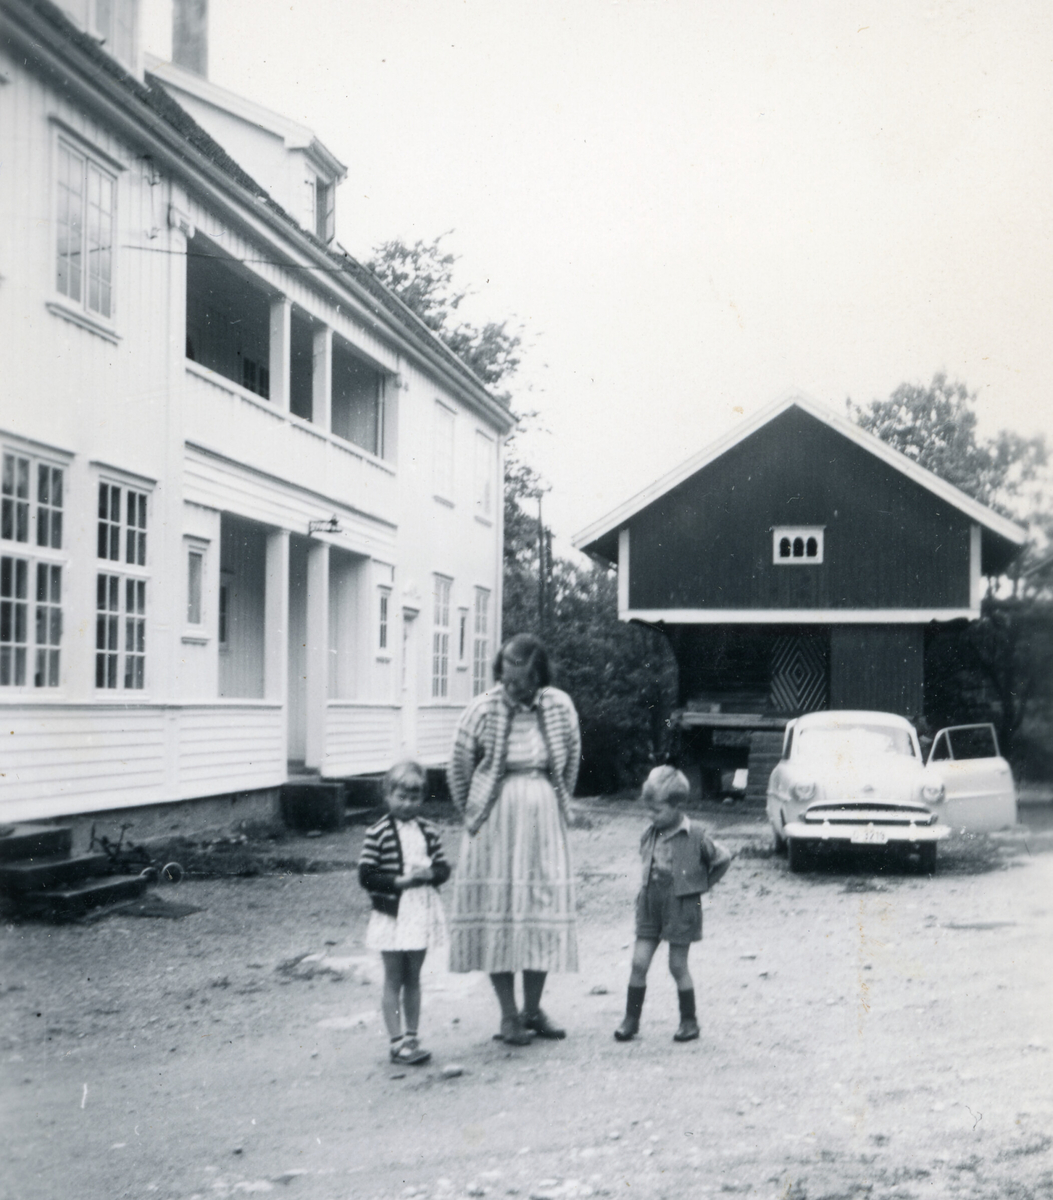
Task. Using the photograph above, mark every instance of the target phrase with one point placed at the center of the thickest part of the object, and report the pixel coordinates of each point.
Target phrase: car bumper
(864, 835)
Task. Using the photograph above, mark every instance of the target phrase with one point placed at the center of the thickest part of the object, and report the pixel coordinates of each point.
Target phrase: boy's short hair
(667, 785)
(402, 770)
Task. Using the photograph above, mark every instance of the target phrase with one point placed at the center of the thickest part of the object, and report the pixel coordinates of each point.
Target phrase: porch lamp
(332, 525)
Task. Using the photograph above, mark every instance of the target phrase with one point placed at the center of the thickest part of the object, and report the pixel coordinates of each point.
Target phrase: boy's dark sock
(630, 1025)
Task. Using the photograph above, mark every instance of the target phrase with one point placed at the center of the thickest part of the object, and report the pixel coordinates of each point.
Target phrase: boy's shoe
(542, 1026)
(514, 1033)
(688, 1031)
(410, 1053)
(627, 1030)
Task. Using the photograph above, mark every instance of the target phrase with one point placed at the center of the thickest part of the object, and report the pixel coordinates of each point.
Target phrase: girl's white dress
(420, 924)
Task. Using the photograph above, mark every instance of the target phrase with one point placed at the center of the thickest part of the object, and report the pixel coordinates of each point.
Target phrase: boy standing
(680, 862)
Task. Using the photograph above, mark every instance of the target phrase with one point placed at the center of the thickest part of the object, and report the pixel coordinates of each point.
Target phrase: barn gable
(801, 517)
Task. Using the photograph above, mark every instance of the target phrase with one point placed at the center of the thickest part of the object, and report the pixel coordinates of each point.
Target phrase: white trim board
(796, 616)
(867, 441)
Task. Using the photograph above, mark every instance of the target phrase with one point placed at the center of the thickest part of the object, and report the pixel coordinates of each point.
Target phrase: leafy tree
(1000, 667)
(622, 677)
(421, 276)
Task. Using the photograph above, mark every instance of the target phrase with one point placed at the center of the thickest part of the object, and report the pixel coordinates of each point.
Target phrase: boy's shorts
(661, 915)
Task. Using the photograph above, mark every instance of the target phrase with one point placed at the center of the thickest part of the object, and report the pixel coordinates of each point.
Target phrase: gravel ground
(866, 1033)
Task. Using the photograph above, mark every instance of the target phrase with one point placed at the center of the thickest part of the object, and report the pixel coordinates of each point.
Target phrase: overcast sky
(692, 206)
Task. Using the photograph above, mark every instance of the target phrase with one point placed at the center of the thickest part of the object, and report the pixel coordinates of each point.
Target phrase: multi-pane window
(440, 640)
(31, 530)
(481, 642)
(484, 474)
(443, 451)
(85, 231)
(120, 598)
(797, 545)
(122, 510)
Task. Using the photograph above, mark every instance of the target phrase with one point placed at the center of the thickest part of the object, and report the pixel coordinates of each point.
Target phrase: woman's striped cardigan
(381, 863)
(480, 749)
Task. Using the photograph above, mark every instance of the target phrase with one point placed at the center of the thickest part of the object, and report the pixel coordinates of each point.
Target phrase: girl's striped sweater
(381, 863)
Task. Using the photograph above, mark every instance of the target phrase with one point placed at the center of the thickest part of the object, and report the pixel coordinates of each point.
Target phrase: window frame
(122, 623)
(40, 618)
(481, 640)
(792, 534)
(442, 589)
(485, 458)
(79, 308)
(444, 442)
(383, 624)
(201, 631)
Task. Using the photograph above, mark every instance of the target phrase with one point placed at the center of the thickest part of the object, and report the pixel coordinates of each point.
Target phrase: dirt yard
(865, 1034)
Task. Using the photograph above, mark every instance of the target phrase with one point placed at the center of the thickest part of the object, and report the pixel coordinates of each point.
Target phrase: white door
(408, 698)
(978, 784)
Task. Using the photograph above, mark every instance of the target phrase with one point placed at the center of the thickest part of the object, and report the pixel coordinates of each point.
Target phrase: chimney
(190, 35)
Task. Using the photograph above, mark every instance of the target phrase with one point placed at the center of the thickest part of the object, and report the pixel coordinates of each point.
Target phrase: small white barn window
(797, 545)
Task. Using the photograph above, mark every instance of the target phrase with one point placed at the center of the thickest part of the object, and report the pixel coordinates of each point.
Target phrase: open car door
(979, 788)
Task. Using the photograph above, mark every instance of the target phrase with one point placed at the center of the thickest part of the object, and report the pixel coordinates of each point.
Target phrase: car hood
(885, 777)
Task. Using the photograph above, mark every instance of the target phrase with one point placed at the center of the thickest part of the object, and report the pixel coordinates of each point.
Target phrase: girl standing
(402, 866)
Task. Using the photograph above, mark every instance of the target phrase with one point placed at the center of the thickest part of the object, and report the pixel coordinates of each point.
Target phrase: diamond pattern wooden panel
(799, 674)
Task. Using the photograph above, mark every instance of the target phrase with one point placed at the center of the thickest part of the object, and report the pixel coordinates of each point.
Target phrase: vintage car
(858, 779)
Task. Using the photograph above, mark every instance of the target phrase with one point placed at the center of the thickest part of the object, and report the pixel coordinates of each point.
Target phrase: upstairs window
(484, 474)
(357, 400)
(442, 452)
(797, 545)
(84, 223)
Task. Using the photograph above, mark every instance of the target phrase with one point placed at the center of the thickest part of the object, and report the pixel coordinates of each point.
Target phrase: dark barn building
(797, 564)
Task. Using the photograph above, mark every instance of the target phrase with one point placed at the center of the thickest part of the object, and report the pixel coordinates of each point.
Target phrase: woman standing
(512, 773)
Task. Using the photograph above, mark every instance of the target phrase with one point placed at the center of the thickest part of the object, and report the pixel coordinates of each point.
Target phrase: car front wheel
(800, 854)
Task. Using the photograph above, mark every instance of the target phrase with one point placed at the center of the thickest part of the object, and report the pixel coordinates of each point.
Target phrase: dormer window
(114, 26)
(797, 545)
(324, 209)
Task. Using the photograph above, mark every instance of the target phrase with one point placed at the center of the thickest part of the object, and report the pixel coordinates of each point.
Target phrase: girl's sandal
(410, 1053)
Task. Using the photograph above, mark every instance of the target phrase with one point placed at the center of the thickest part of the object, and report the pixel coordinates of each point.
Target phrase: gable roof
(40, 30)
(593, 537)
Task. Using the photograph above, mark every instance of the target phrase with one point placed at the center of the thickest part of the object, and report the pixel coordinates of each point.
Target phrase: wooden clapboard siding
(230, 747)
(878, 667)
(76, 758)
(889, 543)
(435, 728)
(220, 416)
(360, 739)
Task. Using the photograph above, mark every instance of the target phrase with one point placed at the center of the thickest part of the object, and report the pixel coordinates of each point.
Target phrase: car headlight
(803, 791)
(933, 793)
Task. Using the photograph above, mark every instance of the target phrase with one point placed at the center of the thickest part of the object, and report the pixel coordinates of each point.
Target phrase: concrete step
(34, 841)
(52, 871)
(70, 901)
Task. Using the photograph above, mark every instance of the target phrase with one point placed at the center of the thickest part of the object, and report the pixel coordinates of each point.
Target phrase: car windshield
(852, 741)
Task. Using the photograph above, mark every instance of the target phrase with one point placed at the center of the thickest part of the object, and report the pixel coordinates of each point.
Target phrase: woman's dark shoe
(627, 1030)
(542, 1026)
(514, 1033)
(688, 1030)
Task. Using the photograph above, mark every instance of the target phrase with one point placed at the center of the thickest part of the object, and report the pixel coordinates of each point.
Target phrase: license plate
(869, 837)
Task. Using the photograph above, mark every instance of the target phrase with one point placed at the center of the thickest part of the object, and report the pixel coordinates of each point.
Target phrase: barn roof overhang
(1001, 538)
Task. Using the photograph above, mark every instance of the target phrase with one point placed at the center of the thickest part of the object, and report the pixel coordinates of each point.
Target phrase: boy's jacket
(698, 861)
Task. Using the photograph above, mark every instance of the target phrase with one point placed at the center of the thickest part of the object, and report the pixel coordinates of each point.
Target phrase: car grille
(868, 814)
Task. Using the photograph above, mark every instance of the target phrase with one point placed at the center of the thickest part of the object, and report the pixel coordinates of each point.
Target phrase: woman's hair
(402, 770)
(528, 647)
(667, 785)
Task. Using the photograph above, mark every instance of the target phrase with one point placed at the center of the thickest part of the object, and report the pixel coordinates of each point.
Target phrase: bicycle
(124, 857)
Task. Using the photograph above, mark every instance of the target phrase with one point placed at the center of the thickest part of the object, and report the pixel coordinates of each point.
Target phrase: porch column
(281, 336)
(317, 670)
(322, 378)
(276, 619)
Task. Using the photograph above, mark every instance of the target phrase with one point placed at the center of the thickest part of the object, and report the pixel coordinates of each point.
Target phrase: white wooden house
(251, 515)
